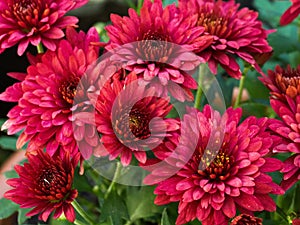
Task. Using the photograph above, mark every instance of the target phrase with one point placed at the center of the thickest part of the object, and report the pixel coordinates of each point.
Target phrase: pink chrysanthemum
(157, 45)
(291, 13)
(34, 21)
(53, 106)
(131, 119)
(224, 174)
(235, 32)
(45, 183)
(284, 85)
(245, 219)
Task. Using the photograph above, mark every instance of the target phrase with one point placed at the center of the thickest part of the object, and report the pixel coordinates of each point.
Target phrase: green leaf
(169, 2)
(287, 204)
(7, 208)
(60, 222)
(22, 215)
(2, 121)
(114, 209)
(165, 218)
(257, 109)
(284, 40)
(140, 202)
(270, 11)
(100, 27)
(11, 174)
(253, 84)
(8, 142)
(296, 199)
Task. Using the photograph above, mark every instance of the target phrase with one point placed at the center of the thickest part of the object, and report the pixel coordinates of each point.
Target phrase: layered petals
(45, 184)
(219, 167)
(284, 87)
(131, 119)
(33, 22)
(235, 32)
(52, 98)
(158, 46)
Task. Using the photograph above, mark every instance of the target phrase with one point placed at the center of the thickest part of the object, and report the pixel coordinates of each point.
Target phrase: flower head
(223, 174)
(296, 221)
(52, 99)
(131, 119)
(283, 82)
(245, 219)
(291, 13)
(284, 89)
(157, 45)
(35, 21)
(235, 32)
(45, 183)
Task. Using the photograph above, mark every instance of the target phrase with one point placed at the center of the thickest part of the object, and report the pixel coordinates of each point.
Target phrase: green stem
(139, 6)
(200, 91)
(78, 222)
(40, 48)
(282, 214)
(130, 4)
(116, 176)
(298, 23)
(128, 222)
(81, 211)
(241, 88)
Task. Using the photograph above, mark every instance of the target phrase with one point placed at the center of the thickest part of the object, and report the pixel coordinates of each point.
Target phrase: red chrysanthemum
(291, 13)
(34, 21)
(223, 174)
(157, 45)
(235, 32)
(245, 219)
(296, 221)
(284, 85)
(131, 119)
(45, 183)
(53, 103)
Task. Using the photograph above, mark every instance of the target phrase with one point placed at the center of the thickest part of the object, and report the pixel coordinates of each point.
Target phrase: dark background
(88, 15)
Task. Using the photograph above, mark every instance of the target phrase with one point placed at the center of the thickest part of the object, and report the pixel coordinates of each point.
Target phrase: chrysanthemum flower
(52, 99)
(131, 119)
(296, 221)
(291, 13)
(34, 21)
(157, 45)
(284, 85)
(224, 174)
(45, 183)
(245, 219)
(235, 31)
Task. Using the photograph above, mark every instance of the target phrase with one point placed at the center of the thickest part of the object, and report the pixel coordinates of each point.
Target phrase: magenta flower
(284, 88)
(296, 221)
(34, 21)
(52, 99)
(157, 45)
(291, 13)
(235, 32)
(45, 183)
(131, 119)
(245, 219)
(212, 176)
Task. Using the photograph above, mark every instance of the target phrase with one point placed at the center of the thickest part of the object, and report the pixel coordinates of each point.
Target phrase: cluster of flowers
(73, 106)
